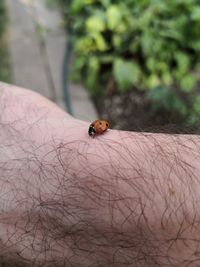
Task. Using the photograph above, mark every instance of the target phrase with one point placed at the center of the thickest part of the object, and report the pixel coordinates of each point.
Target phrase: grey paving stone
(55, 42)
(37, 49)
(27, 61)
(55, 48)
(82, 106)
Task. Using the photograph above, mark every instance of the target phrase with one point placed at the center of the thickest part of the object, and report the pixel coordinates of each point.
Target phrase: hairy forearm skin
(119, 199)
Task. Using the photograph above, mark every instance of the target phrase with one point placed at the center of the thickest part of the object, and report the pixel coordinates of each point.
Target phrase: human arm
(117, 199)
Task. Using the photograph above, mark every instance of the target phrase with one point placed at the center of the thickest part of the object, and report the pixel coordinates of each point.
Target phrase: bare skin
(119, 199)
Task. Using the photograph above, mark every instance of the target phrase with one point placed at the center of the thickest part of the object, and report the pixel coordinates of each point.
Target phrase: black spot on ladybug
(91, 131)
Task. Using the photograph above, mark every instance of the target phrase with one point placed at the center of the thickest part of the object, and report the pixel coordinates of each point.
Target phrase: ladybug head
(91, 131)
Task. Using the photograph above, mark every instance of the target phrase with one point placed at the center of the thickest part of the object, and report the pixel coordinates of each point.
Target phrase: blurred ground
(37, 45)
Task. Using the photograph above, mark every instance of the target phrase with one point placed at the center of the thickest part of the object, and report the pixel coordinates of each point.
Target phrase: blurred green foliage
(151, 45)
(5, 73)
(3, 17)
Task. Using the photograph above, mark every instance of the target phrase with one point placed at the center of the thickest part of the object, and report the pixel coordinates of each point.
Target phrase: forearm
(116, 199)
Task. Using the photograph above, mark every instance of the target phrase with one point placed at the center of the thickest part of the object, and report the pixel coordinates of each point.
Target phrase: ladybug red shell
(98, 127)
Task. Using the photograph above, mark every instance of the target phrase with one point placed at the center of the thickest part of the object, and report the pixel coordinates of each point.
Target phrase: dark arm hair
(119, 199)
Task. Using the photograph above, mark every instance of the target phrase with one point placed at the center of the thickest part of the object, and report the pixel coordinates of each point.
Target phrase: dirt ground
(132, 111)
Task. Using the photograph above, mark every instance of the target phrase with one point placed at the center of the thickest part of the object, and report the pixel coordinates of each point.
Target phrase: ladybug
(98, 127)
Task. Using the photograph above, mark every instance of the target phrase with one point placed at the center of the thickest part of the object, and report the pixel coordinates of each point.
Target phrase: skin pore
(119, 199)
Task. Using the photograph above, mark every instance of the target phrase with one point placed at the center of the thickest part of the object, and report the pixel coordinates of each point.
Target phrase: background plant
(5, 73)
(149, 45)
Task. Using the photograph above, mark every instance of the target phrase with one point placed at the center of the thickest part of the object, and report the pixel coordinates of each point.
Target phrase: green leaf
(95, 24)
(114, 16)
(94, 63)
(152, 81)
(78, 65)
(196, 105)
(77, 5)
(195, 44)
(187, 83)
(195, 15)
(105, 3)
(117, 40)
(84, 45)
(99, 42)
(182, 60)
(161, 66)
(93, 70)
(147, 42)
(167, 78)
(90, 43)
(126, 73)
(151, 63)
